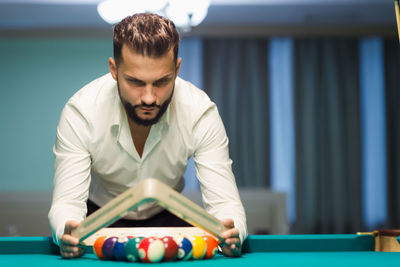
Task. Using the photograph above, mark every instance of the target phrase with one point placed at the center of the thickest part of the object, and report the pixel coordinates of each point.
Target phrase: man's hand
(69, 244)
(232, 246)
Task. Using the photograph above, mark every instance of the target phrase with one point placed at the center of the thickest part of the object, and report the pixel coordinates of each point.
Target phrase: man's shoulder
(189, 98)
(96, 104)
(97, 91)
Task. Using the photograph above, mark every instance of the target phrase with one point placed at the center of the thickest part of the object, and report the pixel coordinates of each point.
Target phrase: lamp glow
(187, 12)
(184, 13)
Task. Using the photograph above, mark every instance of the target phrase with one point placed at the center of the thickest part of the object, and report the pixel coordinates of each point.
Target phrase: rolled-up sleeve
(72, 170)
(214, 170)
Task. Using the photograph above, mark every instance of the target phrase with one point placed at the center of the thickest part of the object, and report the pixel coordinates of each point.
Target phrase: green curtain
(392, 79)
(327, 130)
(235, 76)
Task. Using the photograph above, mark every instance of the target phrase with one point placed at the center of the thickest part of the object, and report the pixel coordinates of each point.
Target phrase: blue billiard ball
(108, 248)
(185, 248)
(119, 249)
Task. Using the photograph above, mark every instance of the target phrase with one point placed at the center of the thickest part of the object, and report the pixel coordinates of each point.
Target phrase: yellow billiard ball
(199, 247)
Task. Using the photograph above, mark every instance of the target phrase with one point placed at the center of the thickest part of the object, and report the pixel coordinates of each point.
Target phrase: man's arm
(72, 172)
(217, 182)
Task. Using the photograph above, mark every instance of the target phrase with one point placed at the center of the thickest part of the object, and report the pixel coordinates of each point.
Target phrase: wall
(37, 77)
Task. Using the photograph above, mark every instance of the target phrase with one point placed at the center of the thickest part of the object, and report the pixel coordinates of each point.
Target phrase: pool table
(260, 250)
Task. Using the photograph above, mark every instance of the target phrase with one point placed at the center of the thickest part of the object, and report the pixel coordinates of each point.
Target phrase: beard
(132, 114)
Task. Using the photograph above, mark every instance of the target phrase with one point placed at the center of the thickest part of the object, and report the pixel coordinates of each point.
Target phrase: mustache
(144, 105)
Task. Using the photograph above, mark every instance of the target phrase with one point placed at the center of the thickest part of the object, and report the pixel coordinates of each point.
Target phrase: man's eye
(136, 82)
(161, 82)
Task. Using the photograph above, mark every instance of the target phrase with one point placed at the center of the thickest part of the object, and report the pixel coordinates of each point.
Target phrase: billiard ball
(171, 248)
(119, 249)
(199, 247)
(108, 248)
(151, 249)
(131, 248)
(97, 246)
(185, 248)
(212, 246)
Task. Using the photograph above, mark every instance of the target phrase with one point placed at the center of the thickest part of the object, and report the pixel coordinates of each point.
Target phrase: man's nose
(148, 95)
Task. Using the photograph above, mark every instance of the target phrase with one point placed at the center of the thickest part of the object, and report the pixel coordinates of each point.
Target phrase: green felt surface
(365, 258)
(288, 250)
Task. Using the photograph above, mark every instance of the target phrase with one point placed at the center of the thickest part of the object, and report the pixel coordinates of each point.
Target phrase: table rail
(254, 243)
(310, 243)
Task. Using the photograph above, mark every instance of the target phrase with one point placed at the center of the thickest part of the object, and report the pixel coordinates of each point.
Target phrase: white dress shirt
(95, 156)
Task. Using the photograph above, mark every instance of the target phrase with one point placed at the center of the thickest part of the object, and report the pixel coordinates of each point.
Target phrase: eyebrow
(166, 77)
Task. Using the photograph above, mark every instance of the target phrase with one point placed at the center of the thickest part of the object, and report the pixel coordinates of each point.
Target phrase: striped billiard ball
(212, 246)
(185, 248)
(131, 248)
(199, 247)
(151, 249)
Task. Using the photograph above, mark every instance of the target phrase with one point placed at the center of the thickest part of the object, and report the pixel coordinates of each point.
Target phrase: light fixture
(184, 13)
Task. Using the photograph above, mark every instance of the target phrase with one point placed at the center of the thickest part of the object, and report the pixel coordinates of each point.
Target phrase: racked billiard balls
(185, 248)
(212, 246)
(151, 249)
(171, 248)
(131, 248)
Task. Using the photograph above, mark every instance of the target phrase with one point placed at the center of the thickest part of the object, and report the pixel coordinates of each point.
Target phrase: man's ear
(113, 67)
(178, 66)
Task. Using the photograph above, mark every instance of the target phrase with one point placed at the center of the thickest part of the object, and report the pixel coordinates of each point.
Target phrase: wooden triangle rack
(149, 190)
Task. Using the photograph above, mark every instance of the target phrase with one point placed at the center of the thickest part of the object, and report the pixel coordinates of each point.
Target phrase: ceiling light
(184, 13)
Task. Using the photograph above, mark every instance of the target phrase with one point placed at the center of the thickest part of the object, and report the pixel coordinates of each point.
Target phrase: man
(141, 120)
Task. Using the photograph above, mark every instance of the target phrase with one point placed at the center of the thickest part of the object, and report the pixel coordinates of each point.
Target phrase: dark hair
(147, 34)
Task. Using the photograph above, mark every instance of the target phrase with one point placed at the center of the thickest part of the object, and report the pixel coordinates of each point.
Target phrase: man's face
(145, 84)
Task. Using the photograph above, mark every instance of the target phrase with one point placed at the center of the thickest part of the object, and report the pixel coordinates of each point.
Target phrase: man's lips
(145, 109)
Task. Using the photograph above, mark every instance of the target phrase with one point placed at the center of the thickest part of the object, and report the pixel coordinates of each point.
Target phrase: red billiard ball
(131, 248)
(185, 248)
(151, 249)
(98, 245)
(171, 248)
(212, 246)
(108, 248)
